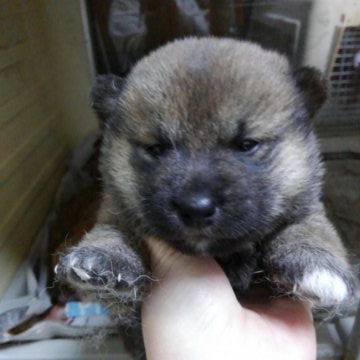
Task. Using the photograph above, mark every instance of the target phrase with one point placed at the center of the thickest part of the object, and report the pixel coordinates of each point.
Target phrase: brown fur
(208, 145)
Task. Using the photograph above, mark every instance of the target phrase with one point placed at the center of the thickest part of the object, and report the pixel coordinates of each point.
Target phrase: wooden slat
(20, 153)
(12, 108)
(21, 128)
(27, 172)
(13, 55)
(19, 242)
(17, 104)
(9, 220)
(10, 8)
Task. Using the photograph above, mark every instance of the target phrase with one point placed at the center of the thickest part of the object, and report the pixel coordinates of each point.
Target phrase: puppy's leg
(105, 266)
(308, 259)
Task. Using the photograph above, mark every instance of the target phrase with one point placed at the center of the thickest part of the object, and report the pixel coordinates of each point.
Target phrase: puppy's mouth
(213, 246)
(199, 246)
(217, 238)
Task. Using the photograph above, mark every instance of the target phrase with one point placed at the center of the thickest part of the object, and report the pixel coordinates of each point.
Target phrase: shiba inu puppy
(208, 146)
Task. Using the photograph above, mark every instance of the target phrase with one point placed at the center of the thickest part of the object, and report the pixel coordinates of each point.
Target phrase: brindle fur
(174, 127)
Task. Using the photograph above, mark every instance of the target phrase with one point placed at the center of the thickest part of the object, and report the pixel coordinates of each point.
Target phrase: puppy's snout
(195, 209)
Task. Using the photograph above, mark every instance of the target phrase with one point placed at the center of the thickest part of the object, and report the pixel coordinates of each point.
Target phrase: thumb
(197, 273)
(192, 301)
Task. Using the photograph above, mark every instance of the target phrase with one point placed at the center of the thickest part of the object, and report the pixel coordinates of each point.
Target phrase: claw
(82, 274)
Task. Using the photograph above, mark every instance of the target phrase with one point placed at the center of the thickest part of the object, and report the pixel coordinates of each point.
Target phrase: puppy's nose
(195, 209)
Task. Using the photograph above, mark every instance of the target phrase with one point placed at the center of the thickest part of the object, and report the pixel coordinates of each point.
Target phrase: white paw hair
(323, 287)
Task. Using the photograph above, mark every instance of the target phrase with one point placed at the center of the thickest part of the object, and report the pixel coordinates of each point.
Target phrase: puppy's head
(209, 143)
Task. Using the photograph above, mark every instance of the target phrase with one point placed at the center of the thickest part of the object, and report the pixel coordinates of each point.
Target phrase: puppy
(209, 146)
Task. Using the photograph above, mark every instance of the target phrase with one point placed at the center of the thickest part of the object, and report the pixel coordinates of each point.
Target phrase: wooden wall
(44, 82)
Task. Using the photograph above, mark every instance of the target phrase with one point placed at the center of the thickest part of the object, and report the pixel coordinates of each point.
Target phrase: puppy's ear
(104, 96)
(312, 87)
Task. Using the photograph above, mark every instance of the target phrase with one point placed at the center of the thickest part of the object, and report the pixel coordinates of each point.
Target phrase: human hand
(192, 313)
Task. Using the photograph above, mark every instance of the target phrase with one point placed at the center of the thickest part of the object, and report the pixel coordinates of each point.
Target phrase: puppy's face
(208, 143)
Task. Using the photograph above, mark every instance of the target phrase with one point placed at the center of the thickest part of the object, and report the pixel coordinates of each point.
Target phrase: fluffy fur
(208, 145)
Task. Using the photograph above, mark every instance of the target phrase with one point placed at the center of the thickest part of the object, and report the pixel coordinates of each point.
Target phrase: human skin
(192, 313)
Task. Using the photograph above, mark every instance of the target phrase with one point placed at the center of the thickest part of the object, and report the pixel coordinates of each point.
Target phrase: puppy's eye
(248, 145)
(155, 150)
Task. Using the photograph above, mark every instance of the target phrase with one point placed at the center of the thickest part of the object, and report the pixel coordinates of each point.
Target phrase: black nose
(195, 209)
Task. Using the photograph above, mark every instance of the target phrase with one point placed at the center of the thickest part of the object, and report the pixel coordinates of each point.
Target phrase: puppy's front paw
(94, 269)
(324, 287)
(319, 277)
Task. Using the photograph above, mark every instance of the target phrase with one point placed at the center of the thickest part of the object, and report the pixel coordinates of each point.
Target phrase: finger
(186, 274)
(192, 298)
(164, 258)
(284, 326)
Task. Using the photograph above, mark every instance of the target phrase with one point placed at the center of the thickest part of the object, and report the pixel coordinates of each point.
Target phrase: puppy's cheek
(290, 168)
(119, 173)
